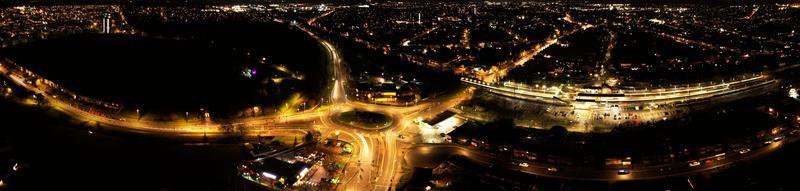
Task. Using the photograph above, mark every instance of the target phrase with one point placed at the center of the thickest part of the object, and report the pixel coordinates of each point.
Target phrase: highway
(583, 110)
(430, 155)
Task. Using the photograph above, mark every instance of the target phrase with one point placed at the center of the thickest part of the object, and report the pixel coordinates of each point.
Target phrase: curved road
(430, 155)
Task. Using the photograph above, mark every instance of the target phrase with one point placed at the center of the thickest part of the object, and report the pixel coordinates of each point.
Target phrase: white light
(793, 93)
(268, 175)
(657, 21)
(302, 173)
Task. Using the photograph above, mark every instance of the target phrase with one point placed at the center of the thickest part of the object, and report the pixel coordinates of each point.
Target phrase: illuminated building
(105, 24)
(274, 173)
(380, 90)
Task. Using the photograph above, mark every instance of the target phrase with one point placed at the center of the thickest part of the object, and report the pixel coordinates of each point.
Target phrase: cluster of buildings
(309, 164)
(257, 13)
(471, 39)
(22, 24)
(667, 45)
(274, 173)
(211, 14)
(572, 43)
(392, 90)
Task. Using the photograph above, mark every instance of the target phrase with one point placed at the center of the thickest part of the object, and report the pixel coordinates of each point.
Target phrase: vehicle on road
(743, 151)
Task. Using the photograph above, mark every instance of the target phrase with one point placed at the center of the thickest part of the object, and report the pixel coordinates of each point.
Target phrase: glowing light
(793, 93)
(302, 173)
(268, 175)
(657, 21)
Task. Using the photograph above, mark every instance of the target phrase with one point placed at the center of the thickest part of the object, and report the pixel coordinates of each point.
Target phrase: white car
(552, 169)
(524, 164)
(743, 151)
(694, 163)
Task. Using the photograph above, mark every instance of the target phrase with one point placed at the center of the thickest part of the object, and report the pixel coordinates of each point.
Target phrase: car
(720, 156)
(743, 151)
(623, 172)
(552, 169)
(694, 163)
(524, 164)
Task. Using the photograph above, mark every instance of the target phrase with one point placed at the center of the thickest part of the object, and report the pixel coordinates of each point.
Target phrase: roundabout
(364, 119)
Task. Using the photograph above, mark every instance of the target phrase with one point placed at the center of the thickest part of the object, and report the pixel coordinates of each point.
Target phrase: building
(274, 173)
(105, 23)
(383, 91)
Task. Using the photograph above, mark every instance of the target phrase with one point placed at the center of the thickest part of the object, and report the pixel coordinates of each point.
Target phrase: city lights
(354, 95)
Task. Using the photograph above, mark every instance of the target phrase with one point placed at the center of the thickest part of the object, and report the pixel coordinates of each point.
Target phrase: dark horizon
(345, 2)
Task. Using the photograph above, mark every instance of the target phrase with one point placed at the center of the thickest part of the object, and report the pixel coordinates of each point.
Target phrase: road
(379, 157)
(430, 155)
(584, 112)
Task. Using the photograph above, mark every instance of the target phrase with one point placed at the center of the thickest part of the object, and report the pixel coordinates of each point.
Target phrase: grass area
(291, 105)
(364, 119)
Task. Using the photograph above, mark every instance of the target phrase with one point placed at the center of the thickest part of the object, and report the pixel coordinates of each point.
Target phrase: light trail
(313, 21)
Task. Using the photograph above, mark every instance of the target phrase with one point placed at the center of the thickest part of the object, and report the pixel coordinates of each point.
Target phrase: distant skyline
(200, 2)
